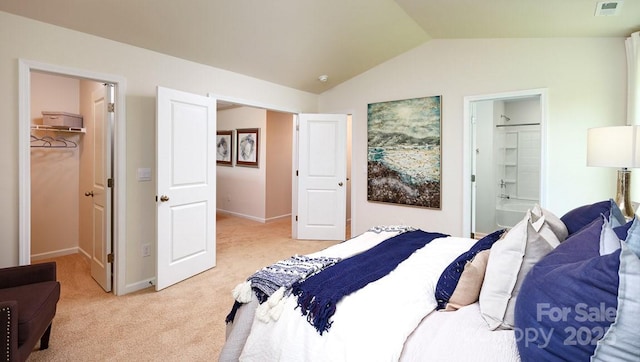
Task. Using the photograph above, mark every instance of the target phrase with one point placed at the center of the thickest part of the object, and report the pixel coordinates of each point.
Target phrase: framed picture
(404, 153)
(248, 147)
(224, 148)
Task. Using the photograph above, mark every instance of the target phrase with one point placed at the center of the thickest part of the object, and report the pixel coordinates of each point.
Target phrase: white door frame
(467, 152)
(24, 162)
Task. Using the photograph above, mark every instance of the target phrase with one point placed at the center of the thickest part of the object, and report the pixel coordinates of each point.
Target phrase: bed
(550, 288)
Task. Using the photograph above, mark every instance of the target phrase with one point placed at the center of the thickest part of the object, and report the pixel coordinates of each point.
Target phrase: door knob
(340, 183)
(164, 198)
(89, 193)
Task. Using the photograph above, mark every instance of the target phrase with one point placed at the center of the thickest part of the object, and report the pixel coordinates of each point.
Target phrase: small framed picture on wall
(224, 148)
(248, 149)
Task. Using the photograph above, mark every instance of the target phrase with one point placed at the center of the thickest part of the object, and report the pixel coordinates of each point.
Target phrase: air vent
(608, 8)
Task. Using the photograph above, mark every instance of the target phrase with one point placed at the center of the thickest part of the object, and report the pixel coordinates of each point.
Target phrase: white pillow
(510, 260)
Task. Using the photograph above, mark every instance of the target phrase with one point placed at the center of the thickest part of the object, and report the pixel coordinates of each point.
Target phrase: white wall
(586, 86)
(485, 169)
(21, 38)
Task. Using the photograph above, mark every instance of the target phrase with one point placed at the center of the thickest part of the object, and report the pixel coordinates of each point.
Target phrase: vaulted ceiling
(293, 42)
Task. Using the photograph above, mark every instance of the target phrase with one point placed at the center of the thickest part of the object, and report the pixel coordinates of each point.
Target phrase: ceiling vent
(608, 8)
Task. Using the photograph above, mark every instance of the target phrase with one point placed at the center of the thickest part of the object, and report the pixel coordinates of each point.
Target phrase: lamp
(616, 147)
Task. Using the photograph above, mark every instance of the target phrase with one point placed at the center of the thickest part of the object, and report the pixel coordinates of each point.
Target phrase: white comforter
(371, 324)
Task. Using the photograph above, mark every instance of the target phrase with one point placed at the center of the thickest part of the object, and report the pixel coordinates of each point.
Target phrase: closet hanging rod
(516, 125)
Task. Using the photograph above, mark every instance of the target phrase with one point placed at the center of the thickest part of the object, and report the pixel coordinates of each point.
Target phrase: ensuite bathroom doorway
(506, 158)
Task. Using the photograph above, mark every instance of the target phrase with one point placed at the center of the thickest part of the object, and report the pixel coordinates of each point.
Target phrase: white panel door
(186, 185)
(100, 191)
(322, 176)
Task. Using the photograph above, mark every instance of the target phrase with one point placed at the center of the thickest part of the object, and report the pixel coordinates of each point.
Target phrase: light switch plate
(144, 174)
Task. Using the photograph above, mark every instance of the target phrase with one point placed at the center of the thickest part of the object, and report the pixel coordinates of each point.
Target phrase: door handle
(164, 198)
(89, 193)
(340, 184)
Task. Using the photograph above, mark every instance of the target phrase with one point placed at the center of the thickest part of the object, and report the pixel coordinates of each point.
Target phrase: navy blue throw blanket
(319, 294)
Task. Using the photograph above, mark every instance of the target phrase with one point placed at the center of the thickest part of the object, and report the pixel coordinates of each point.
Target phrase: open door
(186, 185)
(100, 192)
(322, 177)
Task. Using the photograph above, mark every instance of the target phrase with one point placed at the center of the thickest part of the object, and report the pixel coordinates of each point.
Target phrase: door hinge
(296, 172)
(110, 258)
(296, 217)
(473, 178)
(110, 182)
(111, 107)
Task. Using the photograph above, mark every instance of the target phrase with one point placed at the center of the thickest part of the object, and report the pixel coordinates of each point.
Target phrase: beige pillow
(555, 224)
(510, 260)
(468, 289)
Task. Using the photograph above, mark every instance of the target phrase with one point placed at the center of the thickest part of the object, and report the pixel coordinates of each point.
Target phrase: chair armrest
(8, 330)
(27, 274)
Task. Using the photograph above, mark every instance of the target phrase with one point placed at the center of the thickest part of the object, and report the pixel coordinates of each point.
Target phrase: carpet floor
(184, 322)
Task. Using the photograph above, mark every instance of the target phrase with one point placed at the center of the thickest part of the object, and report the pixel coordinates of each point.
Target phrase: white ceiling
(292, 42)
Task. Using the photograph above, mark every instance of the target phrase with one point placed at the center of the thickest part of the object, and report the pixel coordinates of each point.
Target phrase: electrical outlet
(146, 249)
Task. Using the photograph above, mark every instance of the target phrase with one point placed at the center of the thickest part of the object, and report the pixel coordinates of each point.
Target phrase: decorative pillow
(632, 232)
(585, 243)
(510, 260)
(555, 224)
(450, 277)
(582, 216)
(577, 304)
(467, 291)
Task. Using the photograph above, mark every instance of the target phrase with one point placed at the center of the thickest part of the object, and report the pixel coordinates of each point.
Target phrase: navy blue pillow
(579, 246)
(583, 244)
(582, 216)
(569, 299)
(563, 310)
(451, 275)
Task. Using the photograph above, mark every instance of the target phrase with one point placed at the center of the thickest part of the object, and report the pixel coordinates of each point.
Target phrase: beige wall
(60, 213)
(54, 171)
(143, 70)
(264, 193)
(279, 164)
(586, 82)
(241, 190)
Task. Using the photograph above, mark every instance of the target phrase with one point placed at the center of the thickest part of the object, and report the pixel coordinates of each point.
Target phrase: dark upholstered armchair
(28, 298)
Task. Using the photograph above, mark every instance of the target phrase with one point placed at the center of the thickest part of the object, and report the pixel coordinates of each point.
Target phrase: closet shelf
(40, 127)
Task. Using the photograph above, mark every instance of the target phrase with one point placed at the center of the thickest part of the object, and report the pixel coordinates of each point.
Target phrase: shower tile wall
(528, 178)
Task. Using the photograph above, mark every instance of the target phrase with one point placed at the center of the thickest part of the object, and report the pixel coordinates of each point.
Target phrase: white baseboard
(55, 253)
(134, 287)
(254, 218)
(277, 218)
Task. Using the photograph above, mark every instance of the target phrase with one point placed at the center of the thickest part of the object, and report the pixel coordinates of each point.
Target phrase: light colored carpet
(184, 322)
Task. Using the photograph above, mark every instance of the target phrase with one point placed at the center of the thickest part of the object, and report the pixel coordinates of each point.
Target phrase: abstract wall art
(404, 153)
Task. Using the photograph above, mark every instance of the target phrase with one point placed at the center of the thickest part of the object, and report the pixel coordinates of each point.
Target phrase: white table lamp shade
(614, 146)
